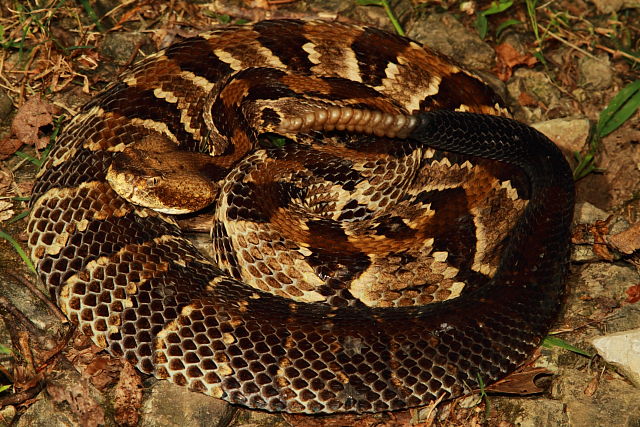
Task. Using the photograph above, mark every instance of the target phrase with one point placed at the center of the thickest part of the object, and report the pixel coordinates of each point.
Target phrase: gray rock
(569, 134)
(539, 86)
(614, 402)
(446, 34)
(120, 47)
(609, 6)
(622, 350)
(595, 74)
(602, 280)
(171, 405)
(586, 213)
(43, 413)
(7, 414)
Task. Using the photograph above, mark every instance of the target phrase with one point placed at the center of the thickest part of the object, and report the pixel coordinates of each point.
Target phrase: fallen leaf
(96, 366)
(82, 405)
(627, 241)
(527, 100)
(633, 294)
(600, 229)
(591, 388)
(31, 116)
(507, 57)
(520, 383)
(128, 396)
(8, 146)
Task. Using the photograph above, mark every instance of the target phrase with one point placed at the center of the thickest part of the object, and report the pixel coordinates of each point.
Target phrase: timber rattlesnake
(361, 273)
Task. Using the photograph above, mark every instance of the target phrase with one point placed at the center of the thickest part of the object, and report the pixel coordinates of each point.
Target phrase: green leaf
(18, 217)
(506, 24)
(18, 249)
(551, 341)
(4, 349)
(620, 108)
(585, 165)
(497, 7)
(481, 25)
(369, 2)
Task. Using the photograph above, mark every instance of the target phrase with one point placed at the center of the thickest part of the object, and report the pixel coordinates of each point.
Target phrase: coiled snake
(391, 252)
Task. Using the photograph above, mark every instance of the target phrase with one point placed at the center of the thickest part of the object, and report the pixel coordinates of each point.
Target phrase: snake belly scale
(404, 244)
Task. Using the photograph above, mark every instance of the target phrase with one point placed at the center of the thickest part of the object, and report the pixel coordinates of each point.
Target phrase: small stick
(38, 293)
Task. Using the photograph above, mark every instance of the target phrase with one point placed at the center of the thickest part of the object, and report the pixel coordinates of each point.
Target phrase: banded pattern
(404, 243)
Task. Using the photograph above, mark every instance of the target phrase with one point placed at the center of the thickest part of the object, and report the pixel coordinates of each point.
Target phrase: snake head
(164, 179)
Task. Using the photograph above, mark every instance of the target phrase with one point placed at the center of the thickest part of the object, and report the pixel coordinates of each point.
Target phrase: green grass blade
(388, 10)
(497, 7)
(551, 341)
(482, 25)
(18, 217)
(18, 249)
(92, 15)
(28, 157)
(620, 108)
(506, 24)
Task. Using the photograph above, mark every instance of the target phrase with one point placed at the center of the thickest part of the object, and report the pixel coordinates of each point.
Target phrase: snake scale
(401, 244)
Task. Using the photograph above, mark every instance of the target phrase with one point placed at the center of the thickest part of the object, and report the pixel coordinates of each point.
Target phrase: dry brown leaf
(633, 294)
(83, 406)
(520, 383)
(128, 396)
(101, 369)
(591, 388)
(26, 125)
(8, 146)
(600, 229)
(627, 241)
(527, 100)
(508, 57)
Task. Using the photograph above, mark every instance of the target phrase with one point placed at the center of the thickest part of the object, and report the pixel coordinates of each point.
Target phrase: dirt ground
(558, 66)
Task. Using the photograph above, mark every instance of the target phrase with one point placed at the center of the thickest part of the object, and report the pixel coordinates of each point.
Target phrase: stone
(168, 404)
(120, 47)
(537, 85)
(569, 134)
(622, 350)
(586, 213)
(595, 73)
(610, 6)
(446, 34)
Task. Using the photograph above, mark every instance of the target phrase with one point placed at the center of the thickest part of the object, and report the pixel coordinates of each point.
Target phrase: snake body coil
(351, 272)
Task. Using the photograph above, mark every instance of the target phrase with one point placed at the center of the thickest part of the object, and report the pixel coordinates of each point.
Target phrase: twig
(21, 396)
(8, 308)
(57, 350)
(617, 52)
(38, 293)
(571, 45)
